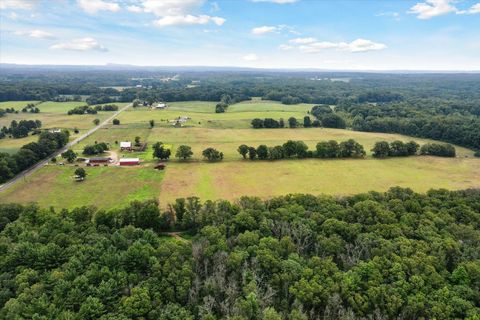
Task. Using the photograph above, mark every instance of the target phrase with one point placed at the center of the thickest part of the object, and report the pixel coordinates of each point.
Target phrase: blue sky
(358, 35)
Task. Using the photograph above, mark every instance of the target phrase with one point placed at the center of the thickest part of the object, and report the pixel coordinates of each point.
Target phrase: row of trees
(21, 129)
(92, 110)
(82, 110)
(388, 255)
(185, 152)
(31, 153)
(383, 149)
(298, 149)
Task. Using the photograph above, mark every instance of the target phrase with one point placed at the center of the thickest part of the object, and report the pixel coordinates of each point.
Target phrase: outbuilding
(160, 106)
(99, 160)
(125, 145)
(129, 161)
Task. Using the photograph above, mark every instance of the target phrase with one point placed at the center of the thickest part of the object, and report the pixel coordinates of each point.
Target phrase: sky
(320, 34)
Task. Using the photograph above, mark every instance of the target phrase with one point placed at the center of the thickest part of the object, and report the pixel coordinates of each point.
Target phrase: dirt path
(114, 156)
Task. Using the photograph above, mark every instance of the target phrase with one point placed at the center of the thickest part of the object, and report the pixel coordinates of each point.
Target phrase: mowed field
(52, 115)
(235, 177)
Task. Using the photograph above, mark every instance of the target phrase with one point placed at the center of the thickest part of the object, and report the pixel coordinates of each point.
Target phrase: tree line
(391, 255)
(299, 149)
(92, 110)
(185, 152)
(31, 153)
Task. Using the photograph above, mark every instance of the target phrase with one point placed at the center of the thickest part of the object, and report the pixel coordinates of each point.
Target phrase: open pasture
(104, 187)
(231, 180)
(203, 114)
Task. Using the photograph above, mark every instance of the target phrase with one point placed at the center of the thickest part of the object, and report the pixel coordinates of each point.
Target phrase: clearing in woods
(235, 177)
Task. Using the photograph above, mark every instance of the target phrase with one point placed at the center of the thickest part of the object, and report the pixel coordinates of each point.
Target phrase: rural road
(38, 165)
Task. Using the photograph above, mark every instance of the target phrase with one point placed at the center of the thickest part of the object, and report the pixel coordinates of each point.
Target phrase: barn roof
(130, 160)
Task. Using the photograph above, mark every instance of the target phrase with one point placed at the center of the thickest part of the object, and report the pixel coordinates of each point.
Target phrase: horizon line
(311, 69)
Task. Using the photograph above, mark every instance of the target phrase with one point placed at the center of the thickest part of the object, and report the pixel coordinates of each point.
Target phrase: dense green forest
(393, 255)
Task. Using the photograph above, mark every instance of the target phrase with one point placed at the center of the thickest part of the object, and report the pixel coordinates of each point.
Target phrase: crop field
(233, 177)
(52, 115)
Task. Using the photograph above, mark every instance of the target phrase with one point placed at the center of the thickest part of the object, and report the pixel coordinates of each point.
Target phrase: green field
(52, 115)
(108, 187)
(234, 177)
(203, 114)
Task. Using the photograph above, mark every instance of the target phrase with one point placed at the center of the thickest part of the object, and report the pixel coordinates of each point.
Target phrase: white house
(160, 106)
(125, 145)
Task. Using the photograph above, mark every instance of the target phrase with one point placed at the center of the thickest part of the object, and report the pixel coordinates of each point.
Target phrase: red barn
(129, 161)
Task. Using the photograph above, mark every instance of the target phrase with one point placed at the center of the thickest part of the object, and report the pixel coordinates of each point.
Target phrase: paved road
(38, 165)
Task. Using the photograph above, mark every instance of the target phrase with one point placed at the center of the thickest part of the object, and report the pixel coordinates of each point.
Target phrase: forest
(392, 255)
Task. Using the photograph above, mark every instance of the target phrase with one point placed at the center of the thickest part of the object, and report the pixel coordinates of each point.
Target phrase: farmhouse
(98, 160)
(54, 130)
(126, 145)
(129, 161)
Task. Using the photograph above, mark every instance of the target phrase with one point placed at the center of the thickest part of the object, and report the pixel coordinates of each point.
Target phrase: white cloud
(432, 8)
(250, 57)
(394, 15)
(264, 30)
(188, 20)
(164, 8)
(177, 12)
(303, 40)
(285, 47)
(93, 6)
(135, 9)
(363, 45)
(473, 10)
(38, 34)
(311, 45)
(82, 44)
(16, 4)
(277, 1)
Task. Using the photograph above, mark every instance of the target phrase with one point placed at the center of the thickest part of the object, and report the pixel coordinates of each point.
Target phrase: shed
(129, 161)
(125, 145)
(160, 106)
(99, 160)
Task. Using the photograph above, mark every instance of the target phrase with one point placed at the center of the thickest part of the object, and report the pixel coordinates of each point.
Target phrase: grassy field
(233, 177)
(230, 180)
(104, 187)
(52, 115)
(203, 114)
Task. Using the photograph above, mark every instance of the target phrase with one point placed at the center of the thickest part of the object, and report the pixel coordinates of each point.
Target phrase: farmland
(52, 115)
(233, 177)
